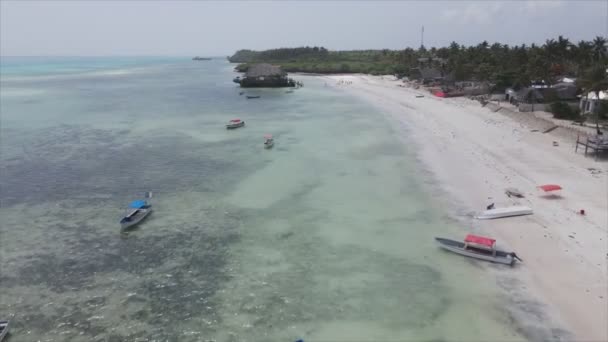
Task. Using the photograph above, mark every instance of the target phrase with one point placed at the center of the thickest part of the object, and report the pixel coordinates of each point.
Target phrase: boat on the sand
(268, 141)
(137, 211)
(478, 247)
(235, 123)
(514, 192)
(3, 329)
(504, 212)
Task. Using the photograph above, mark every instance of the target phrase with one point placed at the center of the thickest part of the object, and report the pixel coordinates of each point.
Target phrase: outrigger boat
(3, 329)
(478, 247)
(504, 212)
(268, 141)
(137, 211)
(235, 123)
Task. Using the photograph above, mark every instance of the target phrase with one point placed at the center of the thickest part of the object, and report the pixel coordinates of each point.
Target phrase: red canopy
(550, 187)
(235, 120)
(267, 136)
(480, 240)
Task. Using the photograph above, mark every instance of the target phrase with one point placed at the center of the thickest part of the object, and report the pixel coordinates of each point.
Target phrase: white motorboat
(504, 212)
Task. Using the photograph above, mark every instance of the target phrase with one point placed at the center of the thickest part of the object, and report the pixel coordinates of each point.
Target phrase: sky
(207, 28)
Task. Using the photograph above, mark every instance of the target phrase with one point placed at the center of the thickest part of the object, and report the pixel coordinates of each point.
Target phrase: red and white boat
(478, 247)
(268, 141)
(235, 123)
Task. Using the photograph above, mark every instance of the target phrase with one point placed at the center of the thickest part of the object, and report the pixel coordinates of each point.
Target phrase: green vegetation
(603, 111)
(563, 111)
(322, 61)
(500, 64)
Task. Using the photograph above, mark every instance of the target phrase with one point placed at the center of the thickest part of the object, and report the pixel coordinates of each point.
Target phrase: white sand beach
(474, 154)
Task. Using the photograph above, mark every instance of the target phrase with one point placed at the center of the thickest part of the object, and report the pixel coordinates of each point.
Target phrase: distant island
(197, 58)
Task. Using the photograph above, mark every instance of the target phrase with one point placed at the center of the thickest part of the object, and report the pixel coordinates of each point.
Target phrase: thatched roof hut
(264, 70)
(266, 75)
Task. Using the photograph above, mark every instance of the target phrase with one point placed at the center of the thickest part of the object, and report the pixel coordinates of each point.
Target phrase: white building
(591, 102)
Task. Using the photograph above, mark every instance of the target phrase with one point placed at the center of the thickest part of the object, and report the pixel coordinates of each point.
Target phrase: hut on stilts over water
(265, 76)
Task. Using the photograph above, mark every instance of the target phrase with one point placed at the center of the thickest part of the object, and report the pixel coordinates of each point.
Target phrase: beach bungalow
(427, 75)
(266, 76)
(591, 102)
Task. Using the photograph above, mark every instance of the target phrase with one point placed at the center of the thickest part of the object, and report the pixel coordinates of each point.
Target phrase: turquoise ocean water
(326, 237)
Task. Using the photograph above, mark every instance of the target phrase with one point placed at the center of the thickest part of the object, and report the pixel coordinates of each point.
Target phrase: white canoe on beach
(504, 212)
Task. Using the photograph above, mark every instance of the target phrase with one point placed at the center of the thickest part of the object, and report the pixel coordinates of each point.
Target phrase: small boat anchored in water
(253, 97)
(478, 247)
(268, 141)
(3, 329)
(495, 213)
(137, 211)
(235, 123)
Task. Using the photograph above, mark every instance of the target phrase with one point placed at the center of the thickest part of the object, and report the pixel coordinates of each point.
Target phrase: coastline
(475, 153)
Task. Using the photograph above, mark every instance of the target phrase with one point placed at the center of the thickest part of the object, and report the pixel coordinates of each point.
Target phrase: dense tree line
(500, 64)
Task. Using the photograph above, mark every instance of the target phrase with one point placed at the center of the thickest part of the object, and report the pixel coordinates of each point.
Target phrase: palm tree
(583, 54)
(563, 47)
(551, 49)
(599, 48)
(454, 47)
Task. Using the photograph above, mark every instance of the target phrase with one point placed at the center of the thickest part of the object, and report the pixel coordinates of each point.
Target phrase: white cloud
(534, 7)
(479, 12)
(474, 13)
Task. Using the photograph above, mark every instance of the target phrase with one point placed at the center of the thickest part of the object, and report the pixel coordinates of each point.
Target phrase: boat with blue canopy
(136, 212)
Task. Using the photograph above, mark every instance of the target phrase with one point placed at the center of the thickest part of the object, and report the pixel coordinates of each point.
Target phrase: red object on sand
(480, 240)
(550, 187)
(582, 212)
(439, 94)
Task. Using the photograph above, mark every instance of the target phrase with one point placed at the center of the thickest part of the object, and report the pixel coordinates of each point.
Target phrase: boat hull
(234, 126)
(504, 212)
(4, 325)
(457, 247)
(134, 220)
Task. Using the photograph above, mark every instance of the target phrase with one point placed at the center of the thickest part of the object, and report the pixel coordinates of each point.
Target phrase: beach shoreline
(474, 153)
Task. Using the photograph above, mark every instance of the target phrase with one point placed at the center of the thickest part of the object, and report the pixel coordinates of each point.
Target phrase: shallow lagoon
(328, 236)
